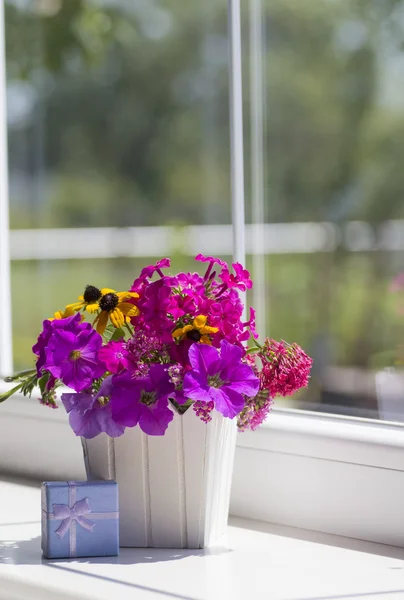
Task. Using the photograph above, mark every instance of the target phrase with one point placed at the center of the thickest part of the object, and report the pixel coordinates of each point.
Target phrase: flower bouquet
(167, 358)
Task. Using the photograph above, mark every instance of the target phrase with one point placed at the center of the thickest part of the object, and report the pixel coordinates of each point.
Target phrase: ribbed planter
(174, 490)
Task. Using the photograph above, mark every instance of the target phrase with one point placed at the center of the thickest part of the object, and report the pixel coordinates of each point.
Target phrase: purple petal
(78, 402)
(227, 401)
(62, 344)
(86, 425)
(204, 359)
(196, 387)
(242, 379)
(159, 380)
(154, 419)
(230, 354)
(126, 411)
(179, 397)
(107, 423)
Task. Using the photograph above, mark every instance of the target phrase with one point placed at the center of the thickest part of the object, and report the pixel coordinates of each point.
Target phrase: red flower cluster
(285, 367)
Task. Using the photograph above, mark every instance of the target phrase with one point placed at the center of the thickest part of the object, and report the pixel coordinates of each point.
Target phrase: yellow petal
(199, 321)
(178, 332)
(107, 291)
(93, 307)
(117, 318)
(101, 321)
(75, 306)
(187, 328)
(208, 329)
(127, 295)
(205, 340)
(128, 309)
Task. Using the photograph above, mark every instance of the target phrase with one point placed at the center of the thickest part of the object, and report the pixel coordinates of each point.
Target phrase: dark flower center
(109, 302)
(147, 398)
(91, 294)
(215, 381)
(194, 335)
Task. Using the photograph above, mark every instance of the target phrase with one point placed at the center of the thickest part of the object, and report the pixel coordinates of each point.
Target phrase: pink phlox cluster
(240, 279)
(285, 367)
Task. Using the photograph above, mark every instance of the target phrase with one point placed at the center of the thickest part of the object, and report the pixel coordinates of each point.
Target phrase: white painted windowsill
(259, 561)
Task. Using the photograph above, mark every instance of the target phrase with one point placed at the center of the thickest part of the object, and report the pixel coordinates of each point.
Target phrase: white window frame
(327, 473)
(5, 293)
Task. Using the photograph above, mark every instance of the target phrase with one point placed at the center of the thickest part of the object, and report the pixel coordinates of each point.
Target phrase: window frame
(328, 473)
(5, 290)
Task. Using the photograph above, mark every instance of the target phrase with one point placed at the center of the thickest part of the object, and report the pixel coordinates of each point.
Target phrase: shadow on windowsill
(28, 552)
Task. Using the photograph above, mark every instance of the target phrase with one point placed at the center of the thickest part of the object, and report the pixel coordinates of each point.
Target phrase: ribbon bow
(80, 508)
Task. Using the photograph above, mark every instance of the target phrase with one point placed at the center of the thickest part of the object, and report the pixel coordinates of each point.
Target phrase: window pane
(333, 239)
(117, 118)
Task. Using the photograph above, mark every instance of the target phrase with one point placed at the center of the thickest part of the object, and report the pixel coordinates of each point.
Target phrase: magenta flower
(151, 269)
(154, 304)
(72, 353)
(251, 324)
(241, 280)
(148, 272)
(115, 356)
(219, 377)
(285, 367)
(90, 414)
(143, 401)
(212, 261)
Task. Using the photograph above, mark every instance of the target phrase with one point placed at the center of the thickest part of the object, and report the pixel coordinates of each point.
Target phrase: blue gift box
(80, 518)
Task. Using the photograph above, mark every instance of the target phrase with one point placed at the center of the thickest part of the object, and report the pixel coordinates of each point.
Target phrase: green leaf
(42, 381)
(108, 333)
(118, 334)
(7, 395)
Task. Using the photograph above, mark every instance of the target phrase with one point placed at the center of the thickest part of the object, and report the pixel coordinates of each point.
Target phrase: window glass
(118, 145)
(330, 87)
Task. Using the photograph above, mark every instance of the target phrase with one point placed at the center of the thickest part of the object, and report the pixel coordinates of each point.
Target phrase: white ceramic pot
(174, 490)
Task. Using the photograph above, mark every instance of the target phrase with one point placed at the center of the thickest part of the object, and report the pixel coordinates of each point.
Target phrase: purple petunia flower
(143, 401)
(72, 353)
(220, 377)
(90, 414)
(49, 326)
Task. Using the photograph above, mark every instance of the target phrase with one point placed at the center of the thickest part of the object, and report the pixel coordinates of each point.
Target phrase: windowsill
(260, 561)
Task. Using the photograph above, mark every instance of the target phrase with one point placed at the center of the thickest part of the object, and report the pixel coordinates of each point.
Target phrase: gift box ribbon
(72, 514)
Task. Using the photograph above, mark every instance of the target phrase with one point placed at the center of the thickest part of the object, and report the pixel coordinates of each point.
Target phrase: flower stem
(20, 375)
(13, 390)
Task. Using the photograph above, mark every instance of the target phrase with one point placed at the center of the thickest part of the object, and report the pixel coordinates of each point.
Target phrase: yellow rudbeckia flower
(198, 331)
(115, 306)
(89, 300)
